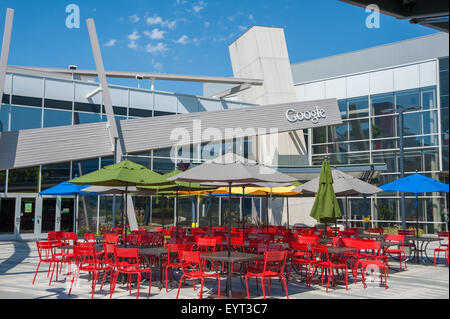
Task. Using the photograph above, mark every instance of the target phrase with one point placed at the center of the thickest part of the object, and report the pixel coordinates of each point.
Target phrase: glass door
(67, 214)
(7, 215)
(27, 215)
(48, 215)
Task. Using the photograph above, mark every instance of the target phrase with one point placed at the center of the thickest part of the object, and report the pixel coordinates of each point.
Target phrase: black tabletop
(234, 256)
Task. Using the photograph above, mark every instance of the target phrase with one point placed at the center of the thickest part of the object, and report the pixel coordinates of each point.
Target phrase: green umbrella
(125, 173)
(326, 208)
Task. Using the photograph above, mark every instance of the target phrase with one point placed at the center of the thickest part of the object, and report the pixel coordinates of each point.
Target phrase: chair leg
(218, 281)
(179, 286)
(263, 288)
(150, 284)
(246, 285)
(285, 286)
(37, 272)
(201, 287)
(138, 284)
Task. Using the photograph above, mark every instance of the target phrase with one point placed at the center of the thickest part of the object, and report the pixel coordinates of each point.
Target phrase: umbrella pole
(346, 211)
(163, 221)
(267, 212)
(417, 229)
(176, 213)
(210, 209)
(125, 215)
(228, 288)
(242, 209)
(287, 206)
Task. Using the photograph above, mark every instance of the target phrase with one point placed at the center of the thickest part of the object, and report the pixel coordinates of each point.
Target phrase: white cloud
(242, 28)
(199, 6)
(207, 24)
(251, 17)
(134, 18)
(159, 48)
(134, 36)
(155, 34)
(181, 2)
(157, 20)
(183, 40)
(157, 66)
(110, 43)
(132, 45)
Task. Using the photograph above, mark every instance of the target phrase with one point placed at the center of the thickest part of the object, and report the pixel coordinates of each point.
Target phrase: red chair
(408, 233)
(379, 231)
(209, 245)
(86, 260)
(89, 238)
(173, 259)
(323, 261)
(400, 250)
(193, 268)
(112, 239)
(237, 243)
(274, 263)
(46, 251)
(443, 247)
(127, 260)
(300, 256)
(370, 261)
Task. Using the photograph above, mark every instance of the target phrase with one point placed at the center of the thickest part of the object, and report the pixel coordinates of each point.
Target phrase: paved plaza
(18, 262)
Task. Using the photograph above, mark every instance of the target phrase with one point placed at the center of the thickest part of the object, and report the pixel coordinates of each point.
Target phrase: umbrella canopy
(416, 183)
(343, 185)
(118, 190)
(234, 169)
(67, 188)
(326, 208)
(125, 173)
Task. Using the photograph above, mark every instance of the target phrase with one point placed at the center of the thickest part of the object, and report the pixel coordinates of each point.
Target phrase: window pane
(429, 99)
(343, 108)
(358, 130)
(389, 158)
(382, 104)
(87, 214)
(23, 180)
(163, 166)
(412, 124)
(358, 107)
(4, 117)
(430, 122)
(57, 118)
(162, 211)
(23, 118)
(319, 135)
(85, 118)
(384, 126)
(2, 181)
(338, 133)
(52, 175)
(407, 99)
(384, 144)
(84, 167)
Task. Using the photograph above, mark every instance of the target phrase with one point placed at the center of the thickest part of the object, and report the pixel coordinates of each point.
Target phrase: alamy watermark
(73, 17)
(373, 19)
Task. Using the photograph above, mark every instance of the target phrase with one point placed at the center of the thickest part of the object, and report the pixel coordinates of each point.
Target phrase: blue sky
(187, 37)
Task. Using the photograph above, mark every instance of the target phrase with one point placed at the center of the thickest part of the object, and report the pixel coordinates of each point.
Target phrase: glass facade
(370, 134)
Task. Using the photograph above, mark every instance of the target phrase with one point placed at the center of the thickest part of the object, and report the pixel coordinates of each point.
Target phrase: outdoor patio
(19, 259)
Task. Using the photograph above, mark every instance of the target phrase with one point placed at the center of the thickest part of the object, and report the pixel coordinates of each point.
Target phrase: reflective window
(389, 158)
(412, 123)
(4, 117)
(382, 104)
(57, 118)
(52, 175)
(338, 133)
(407, 99)
(87, 214)
(163, 165)
(144, 161)
(358, 107)
(429, 98)
(2, 181)
(162, 211)
(358, 129)
(384, 126)
(23, 118)
(85, 118)
(24, 180)
(80, 168)
(343, 107)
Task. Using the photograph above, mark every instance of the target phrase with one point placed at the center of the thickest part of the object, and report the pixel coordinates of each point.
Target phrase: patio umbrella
(325, 208)
(416, 184)
(343, 185)
(69, 189)
(231, 169)
(176, 187)
(126, 174)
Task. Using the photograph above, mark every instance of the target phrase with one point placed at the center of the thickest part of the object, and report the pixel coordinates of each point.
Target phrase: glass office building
(369, 97)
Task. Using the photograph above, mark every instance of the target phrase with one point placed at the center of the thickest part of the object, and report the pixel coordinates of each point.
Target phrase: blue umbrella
(416, 184)
(66, 189)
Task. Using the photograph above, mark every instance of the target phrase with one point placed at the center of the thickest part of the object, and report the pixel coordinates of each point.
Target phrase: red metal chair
(89, 238)
(323, 261)
(210, 245)
(400, 250)
(379, 231)
(443, 247)
(193, 268)
(274, 263)
(300, 256)
(173, 258)
(46, 251)
(127, 260)
(112, 239)
(370, 261)
(86, 260)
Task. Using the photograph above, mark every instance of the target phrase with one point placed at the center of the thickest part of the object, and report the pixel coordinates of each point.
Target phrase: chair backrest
(45, 250)
(85, 254)
(443, 234)
(55, 235)
(109, 251)
(237, 241)
(127, 256)
(376, 231)
(367, 248)
(207, 244)
(299, 247)
(89, 237)
(111, 238)
(134, 240)
(191, 258)
(347, 233)
(69, 238)
(320, 252)
(406, 232)
(396, 238)
(275, 260)
(174, 249)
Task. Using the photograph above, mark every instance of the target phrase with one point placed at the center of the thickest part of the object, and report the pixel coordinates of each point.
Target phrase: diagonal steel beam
(5, 48)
